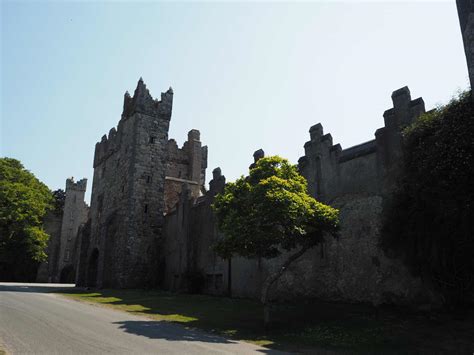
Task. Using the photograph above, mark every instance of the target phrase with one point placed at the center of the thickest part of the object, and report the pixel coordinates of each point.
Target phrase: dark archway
(68, 275)
(92, 268)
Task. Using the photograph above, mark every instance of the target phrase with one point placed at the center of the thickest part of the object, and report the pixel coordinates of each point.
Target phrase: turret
(143, 102)
(80, 185)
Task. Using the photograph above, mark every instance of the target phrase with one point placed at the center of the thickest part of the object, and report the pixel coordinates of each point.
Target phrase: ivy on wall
(430, 220)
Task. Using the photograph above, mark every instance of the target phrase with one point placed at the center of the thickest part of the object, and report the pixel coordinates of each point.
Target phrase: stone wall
(52, 226)
(358, 181)
(190, 231)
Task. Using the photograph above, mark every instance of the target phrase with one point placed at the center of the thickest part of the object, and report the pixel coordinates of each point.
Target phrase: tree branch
(270, 280)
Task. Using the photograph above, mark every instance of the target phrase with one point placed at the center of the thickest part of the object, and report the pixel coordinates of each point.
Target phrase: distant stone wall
(52, 226)
(82, 249)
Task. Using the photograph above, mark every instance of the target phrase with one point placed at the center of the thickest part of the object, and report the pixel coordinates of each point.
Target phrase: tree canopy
(59, 196)
(24, 200)
(268, 212)
(430, 222)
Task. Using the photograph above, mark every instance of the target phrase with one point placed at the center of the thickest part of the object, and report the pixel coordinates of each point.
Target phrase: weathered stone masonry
(128, 192)
(189, 233)
(356, 180)
(75, 214)
(186, 165)
(62, 229)
(138, 175)
(359, 181)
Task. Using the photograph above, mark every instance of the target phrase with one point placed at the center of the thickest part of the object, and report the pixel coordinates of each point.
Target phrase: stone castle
(150, 223)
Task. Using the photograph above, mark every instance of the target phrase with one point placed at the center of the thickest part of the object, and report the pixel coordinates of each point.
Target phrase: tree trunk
(271, 279)
(229, 277)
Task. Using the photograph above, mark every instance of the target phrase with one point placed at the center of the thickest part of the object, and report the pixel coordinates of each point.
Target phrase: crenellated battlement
(404, 109)
(331, 170)
(185, 165)
(106, 147)
(80, 185)
(184, 154)
(143, 103)
(403, 113)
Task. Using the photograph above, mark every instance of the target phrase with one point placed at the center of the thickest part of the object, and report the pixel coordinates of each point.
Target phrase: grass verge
(303, 326)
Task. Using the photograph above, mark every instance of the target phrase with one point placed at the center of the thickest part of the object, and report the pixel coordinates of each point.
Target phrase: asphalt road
(33, 321)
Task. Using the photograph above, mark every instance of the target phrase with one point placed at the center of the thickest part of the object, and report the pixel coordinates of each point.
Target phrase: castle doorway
(92, 269)
(67, 275)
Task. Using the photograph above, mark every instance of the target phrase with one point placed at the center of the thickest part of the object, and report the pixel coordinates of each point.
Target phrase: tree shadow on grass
(238, 319)
(314, 325)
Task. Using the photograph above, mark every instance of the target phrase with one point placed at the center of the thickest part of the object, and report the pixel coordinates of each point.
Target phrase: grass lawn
(305, 326)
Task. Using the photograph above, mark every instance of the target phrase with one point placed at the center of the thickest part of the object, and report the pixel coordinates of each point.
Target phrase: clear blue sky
(247, 75)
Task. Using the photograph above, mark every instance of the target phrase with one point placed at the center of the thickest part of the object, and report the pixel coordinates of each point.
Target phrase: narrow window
(152, 139)
(123, 188)
(148, 179)
(146, 208)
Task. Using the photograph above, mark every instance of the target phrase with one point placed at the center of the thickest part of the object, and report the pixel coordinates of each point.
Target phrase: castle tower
(128, 194)
(75, 214)
(466, 20)
(185, 166)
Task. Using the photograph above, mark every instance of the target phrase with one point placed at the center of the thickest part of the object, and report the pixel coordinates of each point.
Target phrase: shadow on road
(165, 330)
(35, 287)
(173, 332)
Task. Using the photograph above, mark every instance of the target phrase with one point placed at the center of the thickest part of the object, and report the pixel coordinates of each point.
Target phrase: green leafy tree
(269, 212)
(24, 200)
(430, 222)
(59, 198)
